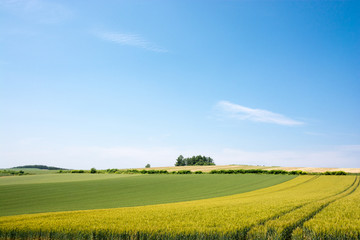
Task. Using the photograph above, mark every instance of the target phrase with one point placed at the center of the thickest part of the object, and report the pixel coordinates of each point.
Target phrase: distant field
(218, 167)
(57, 178)
(64, 192)
(306, 207)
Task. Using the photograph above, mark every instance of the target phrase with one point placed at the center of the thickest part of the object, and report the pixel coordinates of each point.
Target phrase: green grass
(49, 193)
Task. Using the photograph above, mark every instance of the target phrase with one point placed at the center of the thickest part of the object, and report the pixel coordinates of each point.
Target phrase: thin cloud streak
(133, 40)
(256, 115)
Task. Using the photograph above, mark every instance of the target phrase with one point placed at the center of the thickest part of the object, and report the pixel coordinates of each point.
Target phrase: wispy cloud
(134, 40)
(256, 115)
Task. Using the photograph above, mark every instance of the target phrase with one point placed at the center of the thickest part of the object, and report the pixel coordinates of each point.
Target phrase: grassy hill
(29, 169)
(34, 170)
(43, 167)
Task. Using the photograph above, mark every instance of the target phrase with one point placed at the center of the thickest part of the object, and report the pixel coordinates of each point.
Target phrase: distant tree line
(44, 167)
(126, 171)
(335, 173)
(257, 171)
(220, 171)
(194, 161)
(276, 172)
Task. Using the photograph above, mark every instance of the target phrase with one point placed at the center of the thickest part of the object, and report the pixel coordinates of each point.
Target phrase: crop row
(270, 213)
(340, 220)
(282, 227)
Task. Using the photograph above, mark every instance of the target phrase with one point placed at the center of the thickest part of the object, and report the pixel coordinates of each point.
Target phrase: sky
(119, 84)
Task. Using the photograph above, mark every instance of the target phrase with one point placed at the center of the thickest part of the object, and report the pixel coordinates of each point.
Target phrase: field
(228, 207)
(64, 192)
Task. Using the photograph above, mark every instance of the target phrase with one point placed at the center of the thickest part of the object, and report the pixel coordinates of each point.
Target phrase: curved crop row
(340, 220)
(282, 227)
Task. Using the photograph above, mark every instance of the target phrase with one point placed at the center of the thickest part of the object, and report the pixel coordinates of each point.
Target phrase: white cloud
(256, 115)
(133, 40)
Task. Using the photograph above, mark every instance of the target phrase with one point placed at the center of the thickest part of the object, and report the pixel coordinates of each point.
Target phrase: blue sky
(125, 83)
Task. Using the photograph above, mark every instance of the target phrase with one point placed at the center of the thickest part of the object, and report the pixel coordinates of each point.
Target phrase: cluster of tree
(44, 167)
(194, 160)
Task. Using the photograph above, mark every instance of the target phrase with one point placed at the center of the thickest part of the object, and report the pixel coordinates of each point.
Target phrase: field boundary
(245, 167)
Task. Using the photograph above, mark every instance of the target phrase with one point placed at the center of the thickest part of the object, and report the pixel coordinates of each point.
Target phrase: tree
(93, 170)
(147, 165)
(194, 160)
(180, 161)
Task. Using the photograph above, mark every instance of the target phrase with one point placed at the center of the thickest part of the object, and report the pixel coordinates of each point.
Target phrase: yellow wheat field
(341, 219)
(277, 212)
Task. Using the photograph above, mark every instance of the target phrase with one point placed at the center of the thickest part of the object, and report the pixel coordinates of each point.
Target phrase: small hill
(42, 167)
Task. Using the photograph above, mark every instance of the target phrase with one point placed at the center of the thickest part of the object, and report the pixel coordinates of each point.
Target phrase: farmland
(64, 192)
(303, 207)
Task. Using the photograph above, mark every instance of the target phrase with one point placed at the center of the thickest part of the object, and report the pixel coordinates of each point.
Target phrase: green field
(64, 192)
